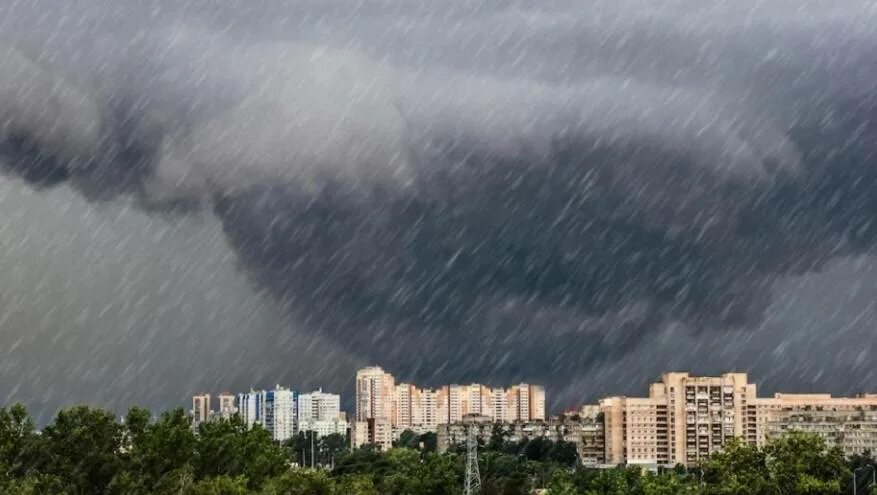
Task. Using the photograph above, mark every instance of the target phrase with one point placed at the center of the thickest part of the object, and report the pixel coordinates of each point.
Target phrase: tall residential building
(375, 394)
(251, 407)
(320, 412)
(275, 410)
(499, 402)
(319, 405)
(227, 407)
(280, 413)
(686, 418)
(200, 408)
(405, 406)
(426, 401)
(682, 421)
(403, 410)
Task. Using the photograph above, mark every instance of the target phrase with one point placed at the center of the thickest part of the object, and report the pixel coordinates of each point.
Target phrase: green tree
(300, 482)
(221, 485)
(17, 434)
(803, 464)
(81, 448)
(354, 485)
(228, 447)
(155, 451)
(739, 469)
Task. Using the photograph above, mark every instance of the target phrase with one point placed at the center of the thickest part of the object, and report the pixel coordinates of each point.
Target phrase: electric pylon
(473, 477)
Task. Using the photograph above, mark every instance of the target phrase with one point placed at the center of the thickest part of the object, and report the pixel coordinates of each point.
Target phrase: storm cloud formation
(519, 190)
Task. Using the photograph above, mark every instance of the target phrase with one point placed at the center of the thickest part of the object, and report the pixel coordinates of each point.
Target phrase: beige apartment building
(375, 394)
(682, 421)
(849, 423)
(586, 433)
(405, 406)
(686, 418)
(200, 408)
(227, 407)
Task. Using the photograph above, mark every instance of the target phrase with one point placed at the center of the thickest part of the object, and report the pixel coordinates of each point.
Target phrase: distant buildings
(200, 408)
(281, 411)
(849, 423)
(685, 419)
(227, 407)
(321, 413)
(384, 409)
(585, 432)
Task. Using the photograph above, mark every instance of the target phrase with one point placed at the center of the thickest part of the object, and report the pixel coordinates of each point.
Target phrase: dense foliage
(86, 451)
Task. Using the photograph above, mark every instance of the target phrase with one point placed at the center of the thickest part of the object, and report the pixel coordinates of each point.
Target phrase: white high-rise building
(280, 413)
(227, 407)
(319, 405)
(251, 407)
(275, 410)
(320, 412)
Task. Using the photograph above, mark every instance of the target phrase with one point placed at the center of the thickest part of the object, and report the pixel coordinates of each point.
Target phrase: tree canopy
(88, 451)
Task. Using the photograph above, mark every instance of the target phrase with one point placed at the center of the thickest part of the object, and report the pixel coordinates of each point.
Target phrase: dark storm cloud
(540, 184)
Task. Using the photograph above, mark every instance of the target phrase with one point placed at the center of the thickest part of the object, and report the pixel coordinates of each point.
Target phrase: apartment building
(687, 418)
(227, 407)
(585, 433)
(682, 421)
(849, 423)
(320, 412)
(200, 408)
(375, 394)
(280, 413)
(408, 407)
(275, 410)
(375, 431)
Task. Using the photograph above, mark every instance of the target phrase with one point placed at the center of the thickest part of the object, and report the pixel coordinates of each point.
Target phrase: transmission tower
(473, 477)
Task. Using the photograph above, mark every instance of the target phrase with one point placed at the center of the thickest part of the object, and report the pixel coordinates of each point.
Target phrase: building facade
(280, 413)
(687, 418)
(408, 407)
(200, 408)
(227, 407)
(375, 394)
(320, 412)
(585, 433)
(682, 421)
(849, 423)
(275, 410)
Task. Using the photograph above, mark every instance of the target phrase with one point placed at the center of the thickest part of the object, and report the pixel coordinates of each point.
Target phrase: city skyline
(684, 419)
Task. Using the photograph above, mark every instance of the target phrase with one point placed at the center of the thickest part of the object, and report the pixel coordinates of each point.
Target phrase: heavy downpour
(218, 195)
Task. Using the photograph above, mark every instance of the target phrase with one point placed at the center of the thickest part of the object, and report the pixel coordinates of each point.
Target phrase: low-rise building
(586, 433)
(849, 423)
(374, 431)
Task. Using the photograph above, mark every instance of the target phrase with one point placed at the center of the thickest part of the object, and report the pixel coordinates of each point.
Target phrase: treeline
(86, 451)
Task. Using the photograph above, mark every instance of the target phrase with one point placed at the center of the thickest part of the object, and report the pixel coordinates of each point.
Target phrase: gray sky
(583, 194)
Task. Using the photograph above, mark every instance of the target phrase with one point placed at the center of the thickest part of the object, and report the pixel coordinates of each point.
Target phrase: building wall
(687, 418)
(280, 413)
(227, 407)
(586, 435)
(849, 423)
(375, 394)
(200, 408)
(406, 406)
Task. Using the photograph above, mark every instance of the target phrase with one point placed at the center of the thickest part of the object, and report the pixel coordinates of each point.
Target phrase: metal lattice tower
(473, 477)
